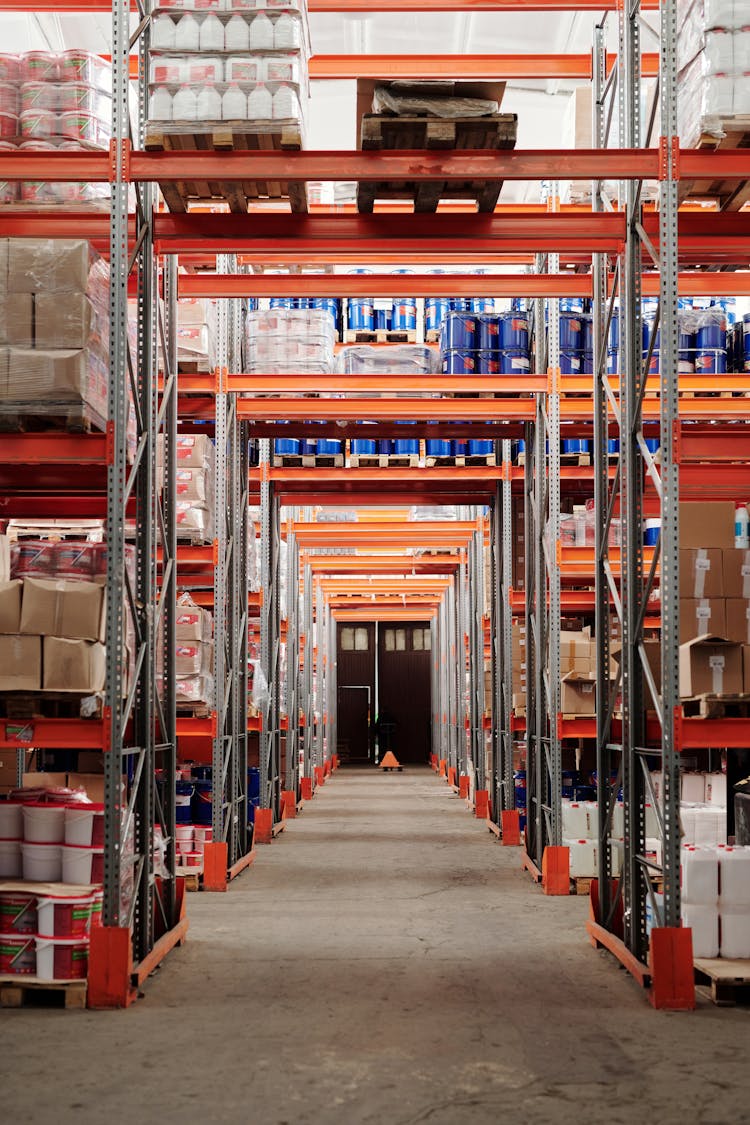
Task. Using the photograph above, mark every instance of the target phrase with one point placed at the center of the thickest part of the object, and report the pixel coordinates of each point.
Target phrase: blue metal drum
(459, 332)
(489, 363)
(404, 315)
(481, 448)
(711, 362)
(363, 446)
(281, 303)
(438, 447)
(307, 447)
(385, 445)
(588, 334)
(575, 445)
(571, 332)
(460, 447)
(361, 315)
(480, 305)
(514, 332)
(514, 363)
(329, 447)
(613, 361)
(283, 447)
(571, 363)
(488, 334)
(712, 334)
(460, 362)
(381, 319)
(435, 311)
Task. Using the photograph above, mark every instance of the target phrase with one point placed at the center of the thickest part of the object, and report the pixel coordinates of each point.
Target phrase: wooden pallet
(716, 707)
(192, 877)
(431, 462)
(729, 981)
(379, 131)
(380, 336)
(29, 705)
(231, 136)
(480, 459)
(21, 992)
(373, 460)
(581, 884)
(406, 460)
(46, 417)
(731, 194)
(309, 460)
(579, 459)
(194, 710)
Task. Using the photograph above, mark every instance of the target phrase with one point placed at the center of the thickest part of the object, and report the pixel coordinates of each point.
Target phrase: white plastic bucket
(699, 875)
(582, 857)
(10, 859)
(194, 859)
(734, 866)
(735, 932)
(65, 916)
(11, 820)
(42, 863)
(184, 833)
(43, 824)
(82, 865)
(84, 825)
(54, 953)
(203, 834)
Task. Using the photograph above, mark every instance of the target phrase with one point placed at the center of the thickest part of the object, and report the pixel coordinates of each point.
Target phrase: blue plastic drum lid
(571, 332)
(459, 331)
(460, 362)
(329, 446)
(513, 329)
(437, 447)
(488, 334)
(711, 363)
(514, 363)
(480, 448)
(571, 363)
(361, 446)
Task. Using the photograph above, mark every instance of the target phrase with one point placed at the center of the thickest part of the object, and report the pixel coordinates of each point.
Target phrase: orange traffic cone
(390, 762)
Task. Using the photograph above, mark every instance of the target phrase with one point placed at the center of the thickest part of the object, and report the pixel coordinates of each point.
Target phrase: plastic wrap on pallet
(64, 558)
(713, 49)
(401, 359)
(278, 341)
(259, 693)
(228, 65)
(194, 689)
(51, 102)
(193, 622)
(407, 99)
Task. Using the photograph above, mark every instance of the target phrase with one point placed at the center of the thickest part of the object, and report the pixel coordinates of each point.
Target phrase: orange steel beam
(375, 383)
(457, 66)
(384, 584)
(415, 605)
(381, 564)
(455, 165)
(443, 285)
(480, 411)
(433, 533)
(384, 613)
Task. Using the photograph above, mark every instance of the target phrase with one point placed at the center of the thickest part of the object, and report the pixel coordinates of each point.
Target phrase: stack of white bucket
(716, 899)
(580, 830)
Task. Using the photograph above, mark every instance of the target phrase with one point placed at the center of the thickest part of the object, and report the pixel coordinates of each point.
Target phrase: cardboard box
(90, 761)
(93, 783)
(73, 665)
(701, 573)
(63, 608)
(20, 663)
(735, 565)
(194, 451)
(577, 652)
(737, 627)
(710, 666)
(578, 694)
(746, 669)
(192, 624)
(62, 320)
(9, 765)
(56, 375)
(193, 658)
(43, 780)
(17, 319)
(707, 524)
(44, 265)
(4, 558)
(699, 616)
(10, 606)
(192, 485)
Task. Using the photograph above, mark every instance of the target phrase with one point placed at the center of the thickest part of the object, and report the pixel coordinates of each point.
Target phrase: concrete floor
(384, 962)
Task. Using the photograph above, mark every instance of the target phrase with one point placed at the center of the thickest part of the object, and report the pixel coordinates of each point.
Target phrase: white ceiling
(541, 106)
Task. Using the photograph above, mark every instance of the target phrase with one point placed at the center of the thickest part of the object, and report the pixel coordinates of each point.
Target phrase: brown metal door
(404, 692)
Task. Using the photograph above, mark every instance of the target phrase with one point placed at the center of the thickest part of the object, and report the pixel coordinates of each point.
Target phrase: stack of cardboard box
(52, 632)
(194, 486)
(714, 602)
(54, 329)
(194, 653)
(577, 672)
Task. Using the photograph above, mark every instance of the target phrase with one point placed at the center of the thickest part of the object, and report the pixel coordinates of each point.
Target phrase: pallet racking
(681, 242)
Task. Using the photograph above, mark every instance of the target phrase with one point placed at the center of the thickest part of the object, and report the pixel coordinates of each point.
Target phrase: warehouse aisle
(384, 963)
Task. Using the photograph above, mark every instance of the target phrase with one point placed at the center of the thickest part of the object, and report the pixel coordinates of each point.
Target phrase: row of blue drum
(193, 798)
(369, 447)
